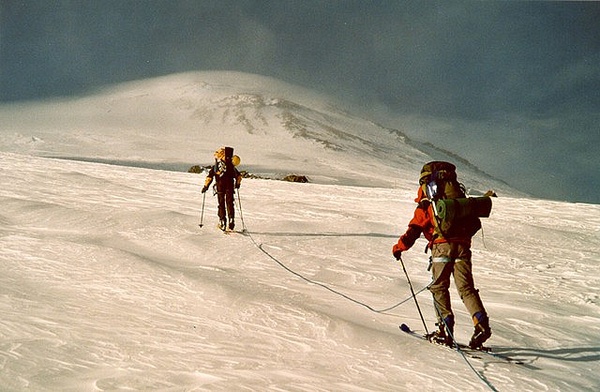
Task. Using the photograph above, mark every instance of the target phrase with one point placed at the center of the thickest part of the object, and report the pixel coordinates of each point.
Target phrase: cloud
(439, 58)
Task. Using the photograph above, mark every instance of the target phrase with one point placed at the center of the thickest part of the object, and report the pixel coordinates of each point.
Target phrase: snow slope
(108, 283)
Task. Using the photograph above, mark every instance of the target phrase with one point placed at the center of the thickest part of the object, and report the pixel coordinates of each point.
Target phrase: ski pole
(202, 214)
(446, 326)
(414, 295)
(241, 213)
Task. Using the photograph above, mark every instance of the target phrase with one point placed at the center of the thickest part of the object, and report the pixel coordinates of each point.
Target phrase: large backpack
(225, 163)
(455, 214)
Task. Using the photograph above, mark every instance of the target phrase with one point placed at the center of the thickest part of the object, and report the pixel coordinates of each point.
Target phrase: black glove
(398, 254)
(237, 186)
(204, 189)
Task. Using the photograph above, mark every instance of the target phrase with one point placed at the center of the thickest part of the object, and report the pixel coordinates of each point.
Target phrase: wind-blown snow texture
(108, 283)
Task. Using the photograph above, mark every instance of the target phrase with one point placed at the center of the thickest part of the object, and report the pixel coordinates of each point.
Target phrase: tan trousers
(453, 259)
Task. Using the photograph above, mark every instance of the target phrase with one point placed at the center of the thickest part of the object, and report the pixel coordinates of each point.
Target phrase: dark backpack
(455, 214)
(224, 167)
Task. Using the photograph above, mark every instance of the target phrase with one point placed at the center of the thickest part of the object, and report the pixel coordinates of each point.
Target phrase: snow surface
(109, 283)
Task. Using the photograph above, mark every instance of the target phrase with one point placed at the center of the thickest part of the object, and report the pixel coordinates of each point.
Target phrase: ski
(224, 229)
(242, 232)
(228, 231)
(471, 352)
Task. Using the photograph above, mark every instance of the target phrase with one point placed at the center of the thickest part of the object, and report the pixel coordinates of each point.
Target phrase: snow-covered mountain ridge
(179, 120)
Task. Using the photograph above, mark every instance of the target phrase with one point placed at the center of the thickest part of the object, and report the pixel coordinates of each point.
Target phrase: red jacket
(422, 223)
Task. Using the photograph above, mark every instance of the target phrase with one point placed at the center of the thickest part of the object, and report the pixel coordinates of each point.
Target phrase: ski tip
(404, 328)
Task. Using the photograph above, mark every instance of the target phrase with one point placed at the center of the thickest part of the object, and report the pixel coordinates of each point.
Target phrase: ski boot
(482, 330)
(222, 225)
(231, 224)
(445, 333)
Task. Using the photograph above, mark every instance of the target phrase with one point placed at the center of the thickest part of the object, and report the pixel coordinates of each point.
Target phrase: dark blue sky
(529, 72)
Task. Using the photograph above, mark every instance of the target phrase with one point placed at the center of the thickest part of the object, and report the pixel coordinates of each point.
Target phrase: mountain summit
(277, 128)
